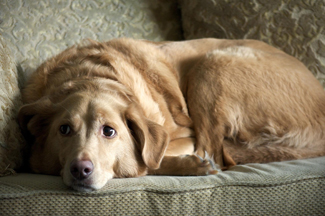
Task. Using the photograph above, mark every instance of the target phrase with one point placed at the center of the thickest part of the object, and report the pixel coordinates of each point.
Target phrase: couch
(32, 31)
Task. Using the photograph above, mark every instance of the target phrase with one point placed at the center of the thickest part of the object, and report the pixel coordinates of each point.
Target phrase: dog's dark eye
(65, 129)
(109, 132)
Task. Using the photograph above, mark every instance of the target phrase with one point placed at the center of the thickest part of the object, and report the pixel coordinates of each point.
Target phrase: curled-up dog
(128, 108)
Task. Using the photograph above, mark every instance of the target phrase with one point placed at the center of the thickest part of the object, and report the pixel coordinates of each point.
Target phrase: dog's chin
(81, 187)
(86, 185)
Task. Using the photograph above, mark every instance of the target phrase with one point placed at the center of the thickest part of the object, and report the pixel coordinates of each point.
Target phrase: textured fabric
(287, 188)
(37, 30)
(296, 27)
(10, 137)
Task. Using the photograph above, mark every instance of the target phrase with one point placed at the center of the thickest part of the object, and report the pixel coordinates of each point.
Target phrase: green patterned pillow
(296, 27)
(37, 30)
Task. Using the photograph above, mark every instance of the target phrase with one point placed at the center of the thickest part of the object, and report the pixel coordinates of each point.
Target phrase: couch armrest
(11, 140)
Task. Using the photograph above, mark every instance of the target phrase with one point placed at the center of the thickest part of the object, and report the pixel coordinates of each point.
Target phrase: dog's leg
(180, 146)
(185, 165)
(180, 160)
(204, 95)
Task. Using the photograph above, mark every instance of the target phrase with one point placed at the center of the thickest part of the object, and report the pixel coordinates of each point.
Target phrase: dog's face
(90, 132)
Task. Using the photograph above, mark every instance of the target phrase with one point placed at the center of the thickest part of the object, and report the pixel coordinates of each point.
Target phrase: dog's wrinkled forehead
(93, 105)
(81, 104)
(92, 86)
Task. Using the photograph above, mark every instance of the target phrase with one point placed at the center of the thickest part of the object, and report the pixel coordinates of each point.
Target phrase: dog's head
(91, 131)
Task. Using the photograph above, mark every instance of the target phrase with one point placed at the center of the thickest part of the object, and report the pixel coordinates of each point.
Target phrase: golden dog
(127, 108)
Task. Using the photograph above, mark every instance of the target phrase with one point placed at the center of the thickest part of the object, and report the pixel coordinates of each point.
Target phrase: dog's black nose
(81, 169)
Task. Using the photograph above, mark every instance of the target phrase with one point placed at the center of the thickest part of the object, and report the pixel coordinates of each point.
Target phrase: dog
(129, 108)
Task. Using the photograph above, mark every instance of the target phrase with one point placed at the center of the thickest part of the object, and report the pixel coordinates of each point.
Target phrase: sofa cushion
(280, 188)
(11, 141)
(296, 27)
(37, 30)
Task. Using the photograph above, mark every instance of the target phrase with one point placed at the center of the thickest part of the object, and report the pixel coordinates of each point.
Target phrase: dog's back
(261, 104)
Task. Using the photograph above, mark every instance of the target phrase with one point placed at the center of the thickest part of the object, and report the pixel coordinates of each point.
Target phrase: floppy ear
(34, 118)
(151, 137)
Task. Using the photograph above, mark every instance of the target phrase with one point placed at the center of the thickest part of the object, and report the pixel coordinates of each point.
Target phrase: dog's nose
(81, 169)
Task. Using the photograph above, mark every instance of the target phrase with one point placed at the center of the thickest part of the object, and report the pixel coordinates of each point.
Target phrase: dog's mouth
(83, 186)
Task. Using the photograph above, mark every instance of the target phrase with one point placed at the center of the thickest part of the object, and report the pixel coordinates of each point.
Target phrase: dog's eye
(65, 129)
(109, 132)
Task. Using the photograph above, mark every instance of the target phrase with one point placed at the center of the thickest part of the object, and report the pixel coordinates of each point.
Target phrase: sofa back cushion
(296, 27)
(37, 30)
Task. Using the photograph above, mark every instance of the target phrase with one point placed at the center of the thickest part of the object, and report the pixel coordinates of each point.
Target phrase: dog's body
(127, 108)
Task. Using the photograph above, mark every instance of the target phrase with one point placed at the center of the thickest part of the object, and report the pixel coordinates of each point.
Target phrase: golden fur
(170, 103)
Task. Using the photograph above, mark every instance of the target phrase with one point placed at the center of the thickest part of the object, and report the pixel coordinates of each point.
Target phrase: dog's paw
(201, 166)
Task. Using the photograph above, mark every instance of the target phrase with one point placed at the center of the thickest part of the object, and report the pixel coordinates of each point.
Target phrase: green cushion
(37, 30)
(281, 188)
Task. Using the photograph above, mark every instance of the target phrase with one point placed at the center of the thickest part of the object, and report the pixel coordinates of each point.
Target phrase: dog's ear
(151, 137)
(34, 119)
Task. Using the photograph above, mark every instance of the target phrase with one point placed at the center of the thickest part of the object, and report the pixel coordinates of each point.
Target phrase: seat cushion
(280, 188)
